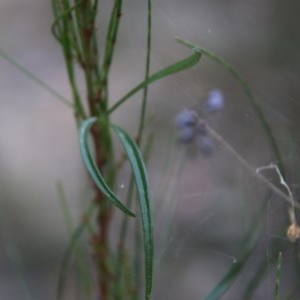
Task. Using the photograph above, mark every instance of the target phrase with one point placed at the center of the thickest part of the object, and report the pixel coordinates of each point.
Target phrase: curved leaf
(92, 167)
(174, 68)
(141, 181)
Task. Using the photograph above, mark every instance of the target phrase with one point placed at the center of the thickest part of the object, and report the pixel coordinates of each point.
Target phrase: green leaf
(92, 167)
(140, 177)
(174, 68)
(229, 278)
(279, 266)
(247, 247)
(77, 233)
(85, 276)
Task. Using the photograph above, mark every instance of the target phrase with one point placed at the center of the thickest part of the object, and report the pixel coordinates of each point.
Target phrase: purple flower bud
(186, 134)
(214, 101)
(206, 145)
(186, 118)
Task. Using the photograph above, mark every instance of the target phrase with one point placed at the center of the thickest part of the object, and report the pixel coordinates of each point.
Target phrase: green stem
(87, 20)
(66, 41)
(147, 72)
(110, 42)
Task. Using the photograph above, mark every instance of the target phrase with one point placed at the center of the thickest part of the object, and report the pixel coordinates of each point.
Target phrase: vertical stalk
(65, 36)
(137, 233)
(74, 28)
(147, 72)
(101, 139)
(102, 146)
(111, 37)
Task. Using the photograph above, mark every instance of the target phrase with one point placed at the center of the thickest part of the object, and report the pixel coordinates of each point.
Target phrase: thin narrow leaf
(140, 177)
(119, 270)
(277, 284)
(174, 68)
(260, 272)
(85, 277)
(55, 25)
(292, 294)
(69, 251)
(123, 233)
(111, 37)
(228, 279)
(34, 78)
(247, 245)
(14, 255)
(147, 73)
(64, 32)
(92, 167)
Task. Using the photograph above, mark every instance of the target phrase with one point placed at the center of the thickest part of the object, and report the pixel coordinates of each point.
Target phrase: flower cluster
(192, 130)
(214, 101)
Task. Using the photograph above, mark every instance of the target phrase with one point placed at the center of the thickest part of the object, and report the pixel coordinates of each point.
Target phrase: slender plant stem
(74, 28)
(252, 171)
(147, 72)
(110, 43)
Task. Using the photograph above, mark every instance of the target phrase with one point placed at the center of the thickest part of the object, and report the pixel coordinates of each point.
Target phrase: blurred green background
(216, 197)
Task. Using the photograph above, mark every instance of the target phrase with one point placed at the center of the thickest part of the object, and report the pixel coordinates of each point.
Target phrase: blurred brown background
(216, 197)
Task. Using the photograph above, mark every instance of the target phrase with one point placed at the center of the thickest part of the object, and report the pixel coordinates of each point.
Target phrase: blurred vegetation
(216, 204)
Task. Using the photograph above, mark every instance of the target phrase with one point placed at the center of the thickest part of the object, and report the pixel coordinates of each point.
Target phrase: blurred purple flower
(214, 101)
(186, 134)
(191, 129)
(186, 118)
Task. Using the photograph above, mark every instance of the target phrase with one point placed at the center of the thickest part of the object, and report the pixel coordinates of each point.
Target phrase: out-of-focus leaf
(77, 233)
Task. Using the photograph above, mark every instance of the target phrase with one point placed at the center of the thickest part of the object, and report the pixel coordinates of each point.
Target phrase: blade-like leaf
(248, 244)
(77, 233)
(140, 176)
(279, 266)
(174, 68)
(229, 278)
(92, 167)
(85, 276)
